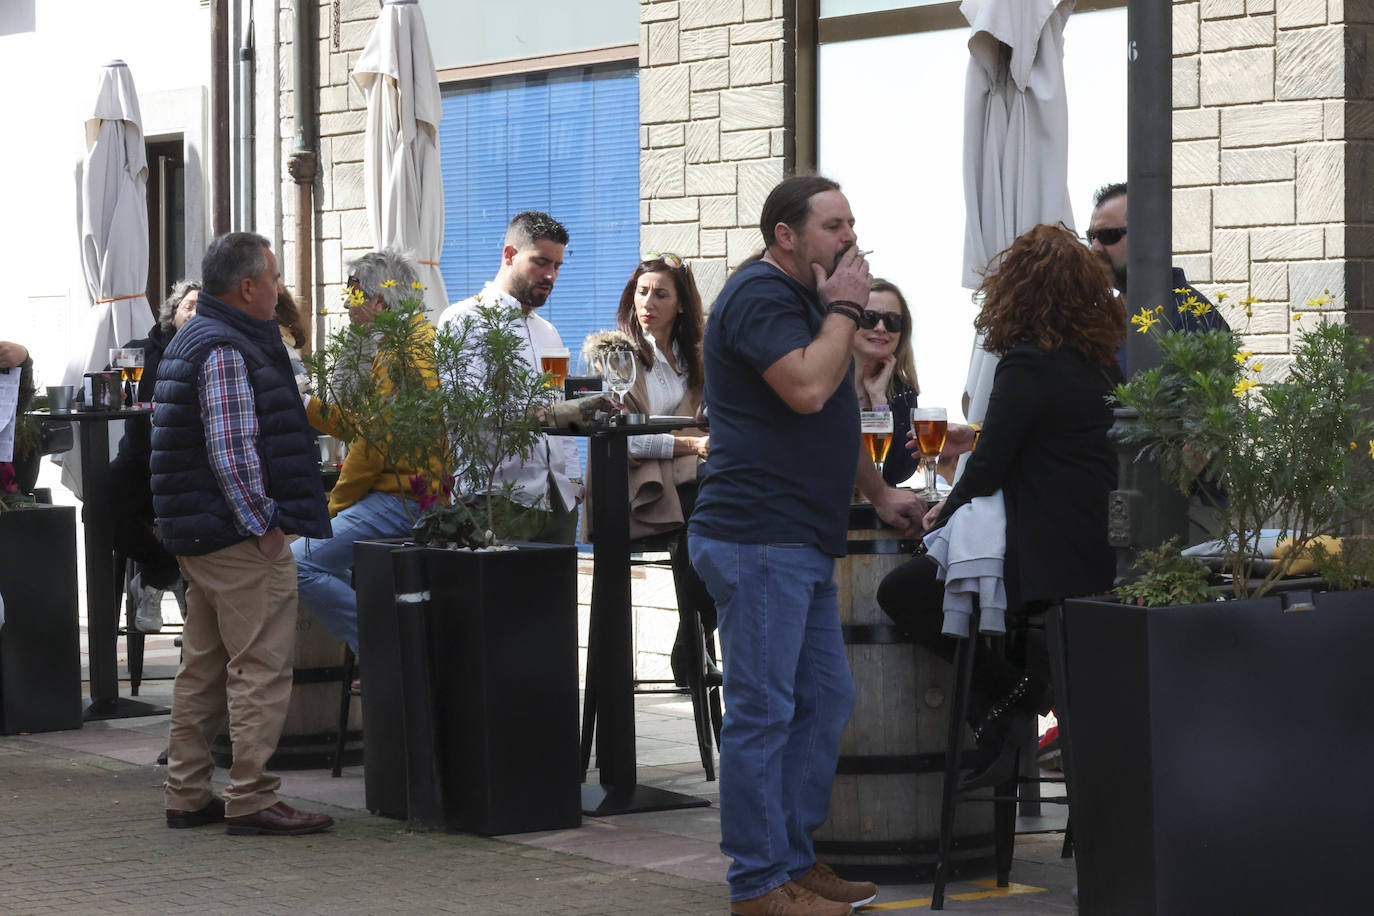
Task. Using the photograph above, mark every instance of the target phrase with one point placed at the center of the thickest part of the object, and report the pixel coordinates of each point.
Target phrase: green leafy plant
(1295, 454)
(459, 402)
(1165, 576)
(1348, 568)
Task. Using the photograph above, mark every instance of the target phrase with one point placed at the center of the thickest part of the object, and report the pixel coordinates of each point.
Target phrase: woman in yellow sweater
(370, 499)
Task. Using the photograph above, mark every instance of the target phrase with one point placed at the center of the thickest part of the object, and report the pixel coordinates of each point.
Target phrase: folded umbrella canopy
(112, 213)
(1016, 143)
(405, 188)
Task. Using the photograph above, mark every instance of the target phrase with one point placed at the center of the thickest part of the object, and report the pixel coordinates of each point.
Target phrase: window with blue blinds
(565, 142)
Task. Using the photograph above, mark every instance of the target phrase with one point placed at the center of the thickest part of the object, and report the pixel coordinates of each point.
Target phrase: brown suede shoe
(211, 813)
(823, 882)
(789, 900)
(278, 820)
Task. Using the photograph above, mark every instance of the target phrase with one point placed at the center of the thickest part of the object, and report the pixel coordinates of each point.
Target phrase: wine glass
(876, 426)
(930, 426)
(133, 372)
(619, 369)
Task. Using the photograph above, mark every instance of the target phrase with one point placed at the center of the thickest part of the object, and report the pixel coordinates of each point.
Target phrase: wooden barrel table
(309, 738)
(885, 809)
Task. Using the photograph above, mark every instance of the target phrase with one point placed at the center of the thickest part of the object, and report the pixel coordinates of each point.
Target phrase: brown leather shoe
(789, 900)
(822, 881)
(278, 820)
(211, 813)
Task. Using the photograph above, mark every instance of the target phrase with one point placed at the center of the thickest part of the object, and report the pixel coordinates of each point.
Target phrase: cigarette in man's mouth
(864, 254)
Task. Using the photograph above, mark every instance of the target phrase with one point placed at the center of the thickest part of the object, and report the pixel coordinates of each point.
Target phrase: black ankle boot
(1002, 729)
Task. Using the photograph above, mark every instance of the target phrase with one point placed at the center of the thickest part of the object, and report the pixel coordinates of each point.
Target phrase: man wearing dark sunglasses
(1107, 237)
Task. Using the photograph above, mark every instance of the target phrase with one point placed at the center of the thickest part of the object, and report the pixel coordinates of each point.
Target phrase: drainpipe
(246, 136)
(304, 163)
(219, 118)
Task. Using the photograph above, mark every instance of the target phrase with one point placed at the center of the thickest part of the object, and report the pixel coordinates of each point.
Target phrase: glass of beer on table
(929, 426)
(129, 362)
(554, 362)
(876, 427)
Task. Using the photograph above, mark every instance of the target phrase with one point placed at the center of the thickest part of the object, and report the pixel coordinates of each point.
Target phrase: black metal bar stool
(706, 703)
(1006, 795)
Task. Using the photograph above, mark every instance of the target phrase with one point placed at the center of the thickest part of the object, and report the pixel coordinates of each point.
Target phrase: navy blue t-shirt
(774, 476)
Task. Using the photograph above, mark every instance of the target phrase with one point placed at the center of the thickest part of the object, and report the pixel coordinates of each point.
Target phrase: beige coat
(654, 505)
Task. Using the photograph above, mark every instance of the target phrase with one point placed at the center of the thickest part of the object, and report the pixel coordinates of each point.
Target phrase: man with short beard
(531, 256)
(1107, 238)
(770, 519)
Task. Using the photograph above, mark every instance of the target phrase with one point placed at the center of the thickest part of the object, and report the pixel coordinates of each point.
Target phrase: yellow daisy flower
(1245, 385)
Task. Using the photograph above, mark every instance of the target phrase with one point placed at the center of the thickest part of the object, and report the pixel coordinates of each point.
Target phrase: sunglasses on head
(667, 257)
(891, 320)
(1109, 236)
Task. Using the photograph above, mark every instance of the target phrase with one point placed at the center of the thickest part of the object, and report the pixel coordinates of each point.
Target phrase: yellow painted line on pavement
(990, 883)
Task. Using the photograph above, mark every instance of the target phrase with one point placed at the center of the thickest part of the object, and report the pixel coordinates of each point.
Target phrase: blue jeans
(788, 696)
(322, 565)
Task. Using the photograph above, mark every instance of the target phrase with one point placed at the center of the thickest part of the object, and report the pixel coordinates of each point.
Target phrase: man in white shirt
(530, 259)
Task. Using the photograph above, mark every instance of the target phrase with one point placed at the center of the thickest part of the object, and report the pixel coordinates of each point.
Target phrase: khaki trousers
(237, 650)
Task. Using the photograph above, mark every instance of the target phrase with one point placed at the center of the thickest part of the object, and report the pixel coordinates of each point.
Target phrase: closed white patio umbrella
(405, 188)
(112, 214)
(1016, 141)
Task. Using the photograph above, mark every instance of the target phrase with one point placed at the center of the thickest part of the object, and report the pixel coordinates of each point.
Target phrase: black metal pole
(1146, 510)
(424, 788)
(1149, 166)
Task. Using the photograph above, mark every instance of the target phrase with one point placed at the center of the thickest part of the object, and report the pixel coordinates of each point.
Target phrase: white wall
(50, 74)
(891, 132)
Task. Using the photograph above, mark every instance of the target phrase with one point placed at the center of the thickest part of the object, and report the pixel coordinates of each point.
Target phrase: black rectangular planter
(40, 643)
(1220, 755)
(384, 761)
(503, 631)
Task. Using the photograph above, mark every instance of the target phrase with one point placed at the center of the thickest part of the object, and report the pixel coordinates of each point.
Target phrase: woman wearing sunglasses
(885, 370)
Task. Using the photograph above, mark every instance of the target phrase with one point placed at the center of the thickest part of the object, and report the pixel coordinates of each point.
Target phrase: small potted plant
(502, 614)
(1209, 736)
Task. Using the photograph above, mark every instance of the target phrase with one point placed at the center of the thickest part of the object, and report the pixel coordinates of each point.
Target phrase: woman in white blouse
(660, 310)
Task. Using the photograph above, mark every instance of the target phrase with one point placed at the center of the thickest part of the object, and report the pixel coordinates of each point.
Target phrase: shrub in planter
(501, 621)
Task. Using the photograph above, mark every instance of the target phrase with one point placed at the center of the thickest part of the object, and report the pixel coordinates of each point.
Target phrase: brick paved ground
(81, 833)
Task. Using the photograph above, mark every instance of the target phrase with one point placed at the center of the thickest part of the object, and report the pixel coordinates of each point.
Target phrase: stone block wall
(714, 132)
(341, 231)
(1268, 169)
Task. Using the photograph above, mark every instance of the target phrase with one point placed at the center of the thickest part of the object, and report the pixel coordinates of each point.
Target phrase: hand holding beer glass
(929, 425)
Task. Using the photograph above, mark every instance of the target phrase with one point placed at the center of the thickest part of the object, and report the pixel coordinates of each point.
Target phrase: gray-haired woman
(134, 535)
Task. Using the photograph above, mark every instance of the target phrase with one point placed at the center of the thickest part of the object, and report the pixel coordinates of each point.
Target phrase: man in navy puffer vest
(234, 470)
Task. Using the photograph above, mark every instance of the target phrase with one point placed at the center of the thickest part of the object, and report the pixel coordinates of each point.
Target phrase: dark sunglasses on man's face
(891, 320)
(1109, 236)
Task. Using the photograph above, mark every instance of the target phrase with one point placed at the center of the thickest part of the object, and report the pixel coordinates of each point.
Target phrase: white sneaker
(148, 605)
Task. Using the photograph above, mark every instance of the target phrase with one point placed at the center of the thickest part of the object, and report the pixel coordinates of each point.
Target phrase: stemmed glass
(930, 426)
(876, 426)
(129, 362)
(619, 369)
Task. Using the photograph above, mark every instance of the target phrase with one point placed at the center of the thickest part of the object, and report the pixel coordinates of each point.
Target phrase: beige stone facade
(1272, 128)
(1270, 145)
(713, 128)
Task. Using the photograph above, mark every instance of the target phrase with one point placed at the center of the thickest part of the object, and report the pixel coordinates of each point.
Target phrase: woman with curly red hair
(1049, 313)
